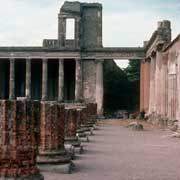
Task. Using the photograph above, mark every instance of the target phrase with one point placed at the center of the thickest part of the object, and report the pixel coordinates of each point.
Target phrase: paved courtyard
(118, 153)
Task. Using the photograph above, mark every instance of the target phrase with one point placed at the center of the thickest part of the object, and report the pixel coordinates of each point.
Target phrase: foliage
(121, 87)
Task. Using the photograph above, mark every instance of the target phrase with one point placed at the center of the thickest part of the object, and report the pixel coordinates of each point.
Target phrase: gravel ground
(118, 153)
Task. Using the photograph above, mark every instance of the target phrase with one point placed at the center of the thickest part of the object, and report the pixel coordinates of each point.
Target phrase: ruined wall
(165, 85)
(92, 26)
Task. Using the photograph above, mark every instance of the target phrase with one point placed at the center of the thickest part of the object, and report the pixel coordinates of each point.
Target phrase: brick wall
(51, 127)
(18, 138)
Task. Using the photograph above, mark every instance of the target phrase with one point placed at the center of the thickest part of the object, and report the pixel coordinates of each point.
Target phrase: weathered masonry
(160, 77)
(63, 69)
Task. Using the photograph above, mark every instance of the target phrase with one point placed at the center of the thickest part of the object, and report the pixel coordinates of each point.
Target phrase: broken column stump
(71, 129)
(90, 118)
(18, 140)
(52, 154)
(81, 132)
(92, 113)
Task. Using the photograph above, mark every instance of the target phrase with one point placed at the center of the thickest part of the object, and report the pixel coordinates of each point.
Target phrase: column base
(59, 161)
(83, 137)
(74, 141)
(31, 177)
(66, 168)
(86, 130)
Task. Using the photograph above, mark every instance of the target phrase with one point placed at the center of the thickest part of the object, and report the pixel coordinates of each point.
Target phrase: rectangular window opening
(70, 29)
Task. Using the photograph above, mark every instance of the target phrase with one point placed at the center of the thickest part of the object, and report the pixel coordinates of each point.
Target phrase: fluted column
(28, 78)
(99, 87)
(61, 81)
(44, 79)
(78, 84)
(12, 79)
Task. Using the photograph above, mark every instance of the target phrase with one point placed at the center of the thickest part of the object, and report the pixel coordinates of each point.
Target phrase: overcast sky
(125, 22)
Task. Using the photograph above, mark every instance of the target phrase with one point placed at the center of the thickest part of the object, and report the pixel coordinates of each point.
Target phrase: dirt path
(118, 153)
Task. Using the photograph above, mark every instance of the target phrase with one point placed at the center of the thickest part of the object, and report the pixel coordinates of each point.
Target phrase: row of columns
(78, 83)
(163, 85)
(78, 79)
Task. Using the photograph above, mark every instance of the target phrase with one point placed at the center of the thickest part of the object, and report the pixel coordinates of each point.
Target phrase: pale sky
(125, 22)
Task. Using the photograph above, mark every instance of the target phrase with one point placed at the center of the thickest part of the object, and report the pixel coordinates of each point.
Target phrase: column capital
(44, 59)
(99, 61)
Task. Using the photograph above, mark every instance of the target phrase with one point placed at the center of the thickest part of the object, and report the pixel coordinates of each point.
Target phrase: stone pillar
(18, 140)
(52, 124)
(28, 78)
(144, 85)
(178, 91)
(61, 81)
(164, 85)
(99, 87)
(52, 154)
(147, 85)
(44, 79)
(141, 86)
(78, 84)
(172, 89)
(12, 79)
(71, 122)
(152, 85)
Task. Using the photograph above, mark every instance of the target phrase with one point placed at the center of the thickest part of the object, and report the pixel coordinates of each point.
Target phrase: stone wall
(165, 86)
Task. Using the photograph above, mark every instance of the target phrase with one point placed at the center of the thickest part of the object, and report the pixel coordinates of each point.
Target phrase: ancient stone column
(164, 74)
(147, 85)
(61, 81)
(19, 124)
(178, 91)
(142, 86)
(52, 153)
(172, 89)
(12, 79)
(152, 85)
(99, 87)
(28, 78)
(71, 122)
(44, 79)
(78, 83)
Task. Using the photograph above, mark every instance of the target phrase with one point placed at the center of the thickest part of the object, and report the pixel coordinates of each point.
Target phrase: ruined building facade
(63, 70)
(160, 77)
(71, 70)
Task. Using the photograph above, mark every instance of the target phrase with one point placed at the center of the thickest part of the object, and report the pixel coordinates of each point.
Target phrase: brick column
(78, 84)
(51, 147)
(61, 81)
(44, 79)
(18, 140)
(71, 122)
(99, 87)
(28, 78)
(92, 112)
(12, 79)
